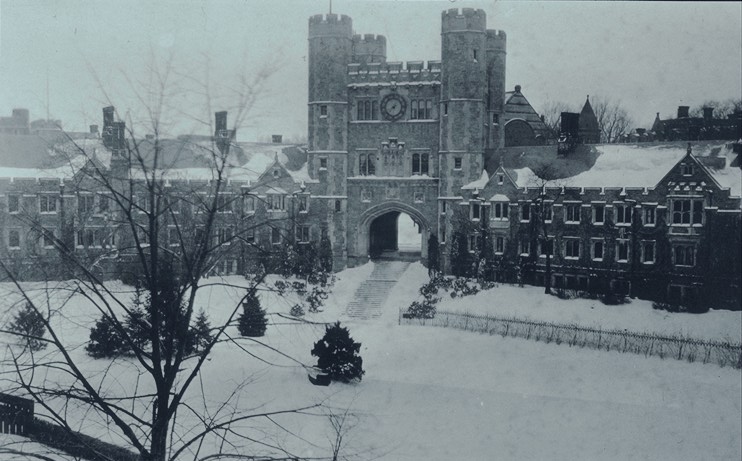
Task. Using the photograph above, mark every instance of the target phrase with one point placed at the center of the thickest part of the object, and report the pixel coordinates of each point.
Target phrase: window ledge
(599, 223)
(572, 258)
(598, 259)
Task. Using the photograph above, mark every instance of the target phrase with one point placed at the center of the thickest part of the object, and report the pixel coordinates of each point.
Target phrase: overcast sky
(651, 56)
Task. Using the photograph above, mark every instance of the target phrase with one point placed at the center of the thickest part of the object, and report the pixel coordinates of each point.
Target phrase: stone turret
(496, 53)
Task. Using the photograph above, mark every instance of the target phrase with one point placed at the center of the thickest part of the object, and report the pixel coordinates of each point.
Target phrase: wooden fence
(721, 353)
(16, 415)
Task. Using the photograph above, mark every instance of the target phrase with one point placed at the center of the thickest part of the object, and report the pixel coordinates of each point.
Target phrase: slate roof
(517, 106)
(588, 120)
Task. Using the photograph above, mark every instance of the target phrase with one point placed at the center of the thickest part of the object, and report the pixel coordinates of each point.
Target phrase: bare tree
(613, 119)
(722, 109)
(553, 116)
(168, 233)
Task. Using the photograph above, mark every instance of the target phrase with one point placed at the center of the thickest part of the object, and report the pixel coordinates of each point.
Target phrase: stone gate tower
(389, 137)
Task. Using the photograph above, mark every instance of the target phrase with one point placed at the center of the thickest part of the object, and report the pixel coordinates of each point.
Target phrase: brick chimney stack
(683, 111)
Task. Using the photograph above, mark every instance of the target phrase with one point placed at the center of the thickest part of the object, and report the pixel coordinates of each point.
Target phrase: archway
(393, 230)
(519, 133)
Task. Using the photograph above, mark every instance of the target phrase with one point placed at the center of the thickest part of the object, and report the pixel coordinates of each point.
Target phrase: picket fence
(722, 353)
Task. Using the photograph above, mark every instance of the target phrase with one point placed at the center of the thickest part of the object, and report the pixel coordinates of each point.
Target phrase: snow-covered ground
(439, 394)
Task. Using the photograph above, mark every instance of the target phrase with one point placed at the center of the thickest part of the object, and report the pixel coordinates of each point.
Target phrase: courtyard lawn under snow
(440, 394)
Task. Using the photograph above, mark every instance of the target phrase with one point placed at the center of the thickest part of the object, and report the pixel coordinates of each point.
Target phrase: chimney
(220, 122)
(94, 130)
(108, 116)
(708, 113)
(277, 138)
(683, 111)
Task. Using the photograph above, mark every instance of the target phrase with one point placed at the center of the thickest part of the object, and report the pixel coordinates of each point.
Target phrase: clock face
(393, 107)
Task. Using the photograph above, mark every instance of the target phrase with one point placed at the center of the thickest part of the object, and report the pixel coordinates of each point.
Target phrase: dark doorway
(394, 235)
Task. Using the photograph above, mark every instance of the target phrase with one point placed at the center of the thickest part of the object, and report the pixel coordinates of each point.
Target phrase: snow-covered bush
(297, 310)
(338, 355)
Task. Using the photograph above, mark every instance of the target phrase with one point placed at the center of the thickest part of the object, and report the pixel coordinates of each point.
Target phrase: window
(104, 204)
(14, 239)
(365, 195)
(499, 245)
(248, 204)
(302, 234)
(323, 163)
(338, 206)
(683, 255)
(500, 211)
(687, 211)
(276, 173)
(548, 212)
(275, 202)
(223, 235)
(443, 234)
(598, 214)
(649, 216)
(86, 238)
(623, 214)
(572, 248)
(473, 243)
(500, 178)
(525, 247)
(597, 250)
(525, 212)
(428, 109)
(686, 169)
(413, 109)
(142, 202)
(546, 247)
(419, 163)
(47, 238)
(14, 203)
(457, 163)
(303, 204)
(47, 203)
(250, 235)
(445, 108)
(474, 54)
(475, 210)
(224, 203)
(648, 252)
(85, 203)
(275, 235)
(366, 165)
(173, 237)
(323, 110)
(622, 250)
(572, 213)
(419, 197)
(444, 207)
(421, 109)
(367, 110)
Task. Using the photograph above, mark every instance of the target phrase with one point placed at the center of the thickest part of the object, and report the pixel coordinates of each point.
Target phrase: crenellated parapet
(400, 72)
(330, 25)
(496, 40)
(466, 19)
(369, 48)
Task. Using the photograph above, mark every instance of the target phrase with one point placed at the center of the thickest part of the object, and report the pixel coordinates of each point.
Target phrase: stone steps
(370, 296)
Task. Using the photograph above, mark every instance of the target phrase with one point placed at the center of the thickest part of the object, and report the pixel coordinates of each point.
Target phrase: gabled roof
(479, 183)
(518, 107)
(626, 165)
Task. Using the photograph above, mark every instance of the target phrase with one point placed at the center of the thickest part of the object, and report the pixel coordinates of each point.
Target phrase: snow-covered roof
(635, 165)
(479, 183)
(499, 198)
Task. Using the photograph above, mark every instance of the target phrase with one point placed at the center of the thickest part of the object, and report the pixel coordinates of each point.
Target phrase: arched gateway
(378, 232)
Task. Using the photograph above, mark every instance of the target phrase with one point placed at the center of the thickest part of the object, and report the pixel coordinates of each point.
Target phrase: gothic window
(597, 250)
(275, 202)
(648, 253)
(499, 245)
(623, 214)
(500, 212)
(85, 203)
(572, 213)
(47, 203)
(572, 248)
(598, 214)
(686, 211)
(14, 203)
(683, 255)
(622, 250)
(649, 216)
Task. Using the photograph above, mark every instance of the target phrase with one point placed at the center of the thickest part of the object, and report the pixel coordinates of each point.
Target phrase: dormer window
(276, 174)
(686, 169)
(500, 178)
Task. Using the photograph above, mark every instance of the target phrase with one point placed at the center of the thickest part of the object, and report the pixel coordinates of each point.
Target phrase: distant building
(687, 128)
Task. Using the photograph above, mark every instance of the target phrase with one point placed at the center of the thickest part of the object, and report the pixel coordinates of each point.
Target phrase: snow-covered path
(369, 298)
